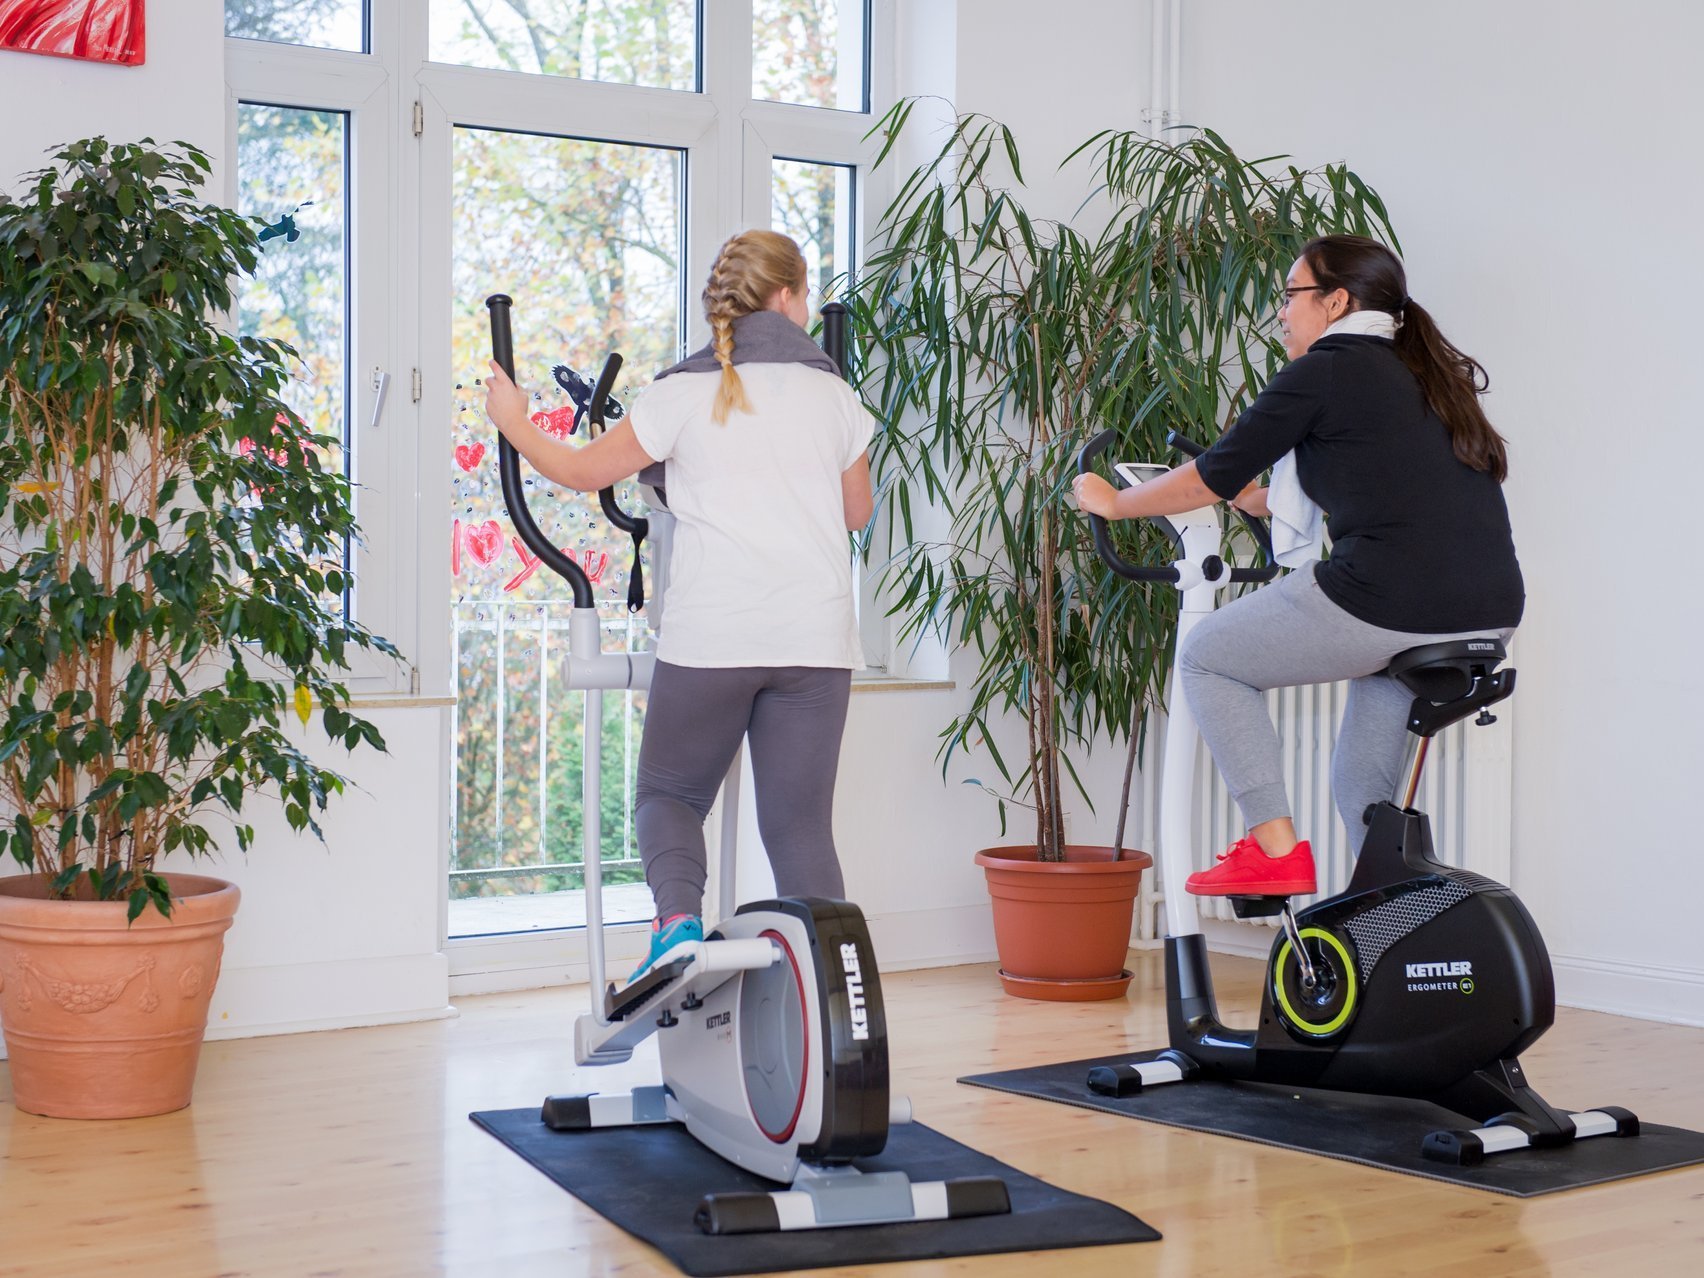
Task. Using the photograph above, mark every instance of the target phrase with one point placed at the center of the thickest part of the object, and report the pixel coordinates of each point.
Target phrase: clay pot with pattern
(104, 1018)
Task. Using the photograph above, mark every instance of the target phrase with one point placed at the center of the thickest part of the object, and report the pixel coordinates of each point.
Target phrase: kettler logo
(1424, 978)
(718, 1020)
(854, 969)
(1431, 971)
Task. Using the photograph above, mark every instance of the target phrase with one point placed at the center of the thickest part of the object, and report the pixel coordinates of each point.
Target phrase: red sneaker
(1244, 870)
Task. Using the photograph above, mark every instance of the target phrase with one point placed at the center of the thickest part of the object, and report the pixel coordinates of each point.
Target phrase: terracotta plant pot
(104, 1019)
(1063, 927)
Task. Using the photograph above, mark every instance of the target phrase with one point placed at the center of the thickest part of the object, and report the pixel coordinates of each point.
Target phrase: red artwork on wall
(98, 30)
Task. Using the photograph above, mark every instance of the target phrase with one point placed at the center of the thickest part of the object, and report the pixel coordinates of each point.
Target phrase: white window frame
(353, 83)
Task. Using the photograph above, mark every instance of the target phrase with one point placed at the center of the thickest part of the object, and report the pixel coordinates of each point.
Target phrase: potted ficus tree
(995, 344)
(171, 595)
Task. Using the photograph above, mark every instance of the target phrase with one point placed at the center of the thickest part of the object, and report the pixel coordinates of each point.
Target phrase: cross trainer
(772, 1032)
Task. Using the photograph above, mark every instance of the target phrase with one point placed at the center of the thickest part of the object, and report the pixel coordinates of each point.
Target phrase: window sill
(889, 683)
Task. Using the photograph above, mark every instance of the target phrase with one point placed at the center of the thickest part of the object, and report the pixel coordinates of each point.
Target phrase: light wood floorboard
(350, 1153)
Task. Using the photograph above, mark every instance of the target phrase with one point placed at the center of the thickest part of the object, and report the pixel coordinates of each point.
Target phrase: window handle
(381, 384)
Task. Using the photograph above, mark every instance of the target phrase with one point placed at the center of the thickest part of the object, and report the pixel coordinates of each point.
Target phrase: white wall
(1540, 162)
(178, 93)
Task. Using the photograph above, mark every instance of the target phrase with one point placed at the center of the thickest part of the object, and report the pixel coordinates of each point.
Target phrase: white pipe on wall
(1165, 63)
(1174, 43)
(1155, 116)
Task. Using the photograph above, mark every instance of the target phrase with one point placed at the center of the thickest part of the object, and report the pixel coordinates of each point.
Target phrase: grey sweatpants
(794, 717)
(1280, 636)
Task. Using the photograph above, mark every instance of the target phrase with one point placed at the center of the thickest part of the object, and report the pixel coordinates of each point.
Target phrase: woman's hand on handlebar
(1095, 496)
(1172, 493)
(505, 403)
(1252, 500)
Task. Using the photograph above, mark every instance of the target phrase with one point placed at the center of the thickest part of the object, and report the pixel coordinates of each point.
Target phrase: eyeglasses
(1285, 295)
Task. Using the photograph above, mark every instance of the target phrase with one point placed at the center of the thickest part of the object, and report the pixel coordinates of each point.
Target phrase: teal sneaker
(665, 936)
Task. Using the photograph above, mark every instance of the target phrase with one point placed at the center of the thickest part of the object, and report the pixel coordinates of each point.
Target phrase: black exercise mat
(648, 1180)
(1379, 1131)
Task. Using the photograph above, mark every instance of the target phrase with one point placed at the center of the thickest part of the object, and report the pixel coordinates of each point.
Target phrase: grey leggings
(1279, 636)
(794, 717)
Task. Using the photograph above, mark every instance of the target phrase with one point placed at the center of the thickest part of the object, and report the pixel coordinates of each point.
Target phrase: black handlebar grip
(600, 392)
(502, 337)
(509, 468)
(834, 336)
(1184, 444)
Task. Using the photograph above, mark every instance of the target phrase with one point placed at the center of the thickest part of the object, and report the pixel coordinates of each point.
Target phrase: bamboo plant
(171, 558)
(994, 344)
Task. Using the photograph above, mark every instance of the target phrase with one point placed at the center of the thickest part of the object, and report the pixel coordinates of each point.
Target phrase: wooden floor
(350, 1153)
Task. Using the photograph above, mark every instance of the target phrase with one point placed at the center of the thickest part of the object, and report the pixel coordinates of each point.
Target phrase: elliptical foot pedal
(621, 1003)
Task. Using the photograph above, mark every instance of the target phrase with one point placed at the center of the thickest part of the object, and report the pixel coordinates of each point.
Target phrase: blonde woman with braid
(767, 472)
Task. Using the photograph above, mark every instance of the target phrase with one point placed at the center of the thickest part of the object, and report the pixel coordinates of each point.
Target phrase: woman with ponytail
(767, 472)
(1376, 421)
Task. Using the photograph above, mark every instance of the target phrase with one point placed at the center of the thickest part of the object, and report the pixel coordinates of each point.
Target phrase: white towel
(1298, 525)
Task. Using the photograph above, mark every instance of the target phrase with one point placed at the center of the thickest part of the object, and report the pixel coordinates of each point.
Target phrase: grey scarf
(762, 337)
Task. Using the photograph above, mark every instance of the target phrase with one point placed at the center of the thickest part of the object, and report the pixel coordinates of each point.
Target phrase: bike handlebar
(1097, 525)
(1092, 452)
(1259, 527)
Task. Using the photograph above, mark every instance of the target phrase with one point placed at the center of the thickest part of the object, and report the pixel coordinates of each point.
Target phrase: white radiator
(1465, 790)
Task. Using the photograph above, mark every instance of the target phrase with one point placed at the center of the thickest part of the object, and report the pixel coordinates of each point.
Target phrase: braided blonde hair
(748, 271)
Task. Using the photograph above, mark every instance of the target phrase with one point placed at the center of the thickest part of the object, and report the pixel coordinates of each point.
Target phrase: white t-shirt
(761, 573)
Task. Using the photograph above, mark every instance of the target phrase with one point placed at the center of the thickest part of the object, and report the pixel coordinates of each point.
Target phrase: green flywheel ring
(1351, 986)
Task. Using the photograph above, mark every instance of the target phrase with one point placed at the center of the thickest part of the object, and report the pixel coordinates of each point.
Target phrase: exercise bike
(772, 1033)
(1418, 979)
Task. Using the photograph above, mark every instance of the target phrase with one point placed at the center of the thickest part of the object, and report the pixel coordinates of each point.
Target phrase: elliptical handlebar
(834, 336)
(514, 492)
(509, 462)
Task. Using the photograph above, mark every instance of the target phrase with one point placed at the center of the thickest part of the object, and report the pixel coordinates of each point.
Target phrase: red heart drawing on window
(485, 541)
(468, 455)
(558, 422)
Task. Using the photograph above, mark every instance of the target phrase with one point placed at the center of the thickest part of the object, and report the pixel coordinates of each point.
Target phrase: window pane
(647, 42)
(291, 174)
(324, 24)
(812, 202)
(587, 237)
(809, 52)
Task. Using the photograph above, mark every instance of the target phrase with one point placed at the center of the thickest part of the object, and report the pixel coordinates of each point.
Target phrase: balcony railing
(517, 791)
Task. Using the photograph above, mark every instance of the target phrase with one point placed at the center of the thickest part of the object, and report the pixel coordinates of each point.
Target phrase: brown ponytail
(1451, 380)
(749, 270)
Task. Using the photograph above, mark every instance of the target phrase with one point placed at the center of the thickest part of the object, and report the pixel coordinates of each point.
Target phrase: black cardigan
(1419, 541)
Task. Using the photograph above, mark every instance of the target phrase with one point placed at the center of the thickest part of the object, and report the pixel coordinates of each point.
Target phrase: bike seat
(1442, 672)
